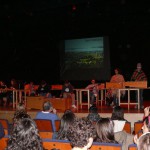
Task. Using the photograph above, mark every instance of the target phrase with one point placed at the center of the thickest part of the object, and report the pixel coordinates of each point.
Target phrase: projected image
(85, 59)
(84, 53)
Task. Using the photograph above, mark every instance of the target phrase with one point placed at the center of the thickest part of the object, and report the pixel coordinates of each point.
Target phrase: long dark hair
(25, 136)
(105, 130)
(118, 113)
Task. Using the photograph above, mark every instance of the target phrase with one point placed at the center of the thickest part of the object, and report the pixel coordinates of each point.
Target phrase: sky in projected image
(84, 53)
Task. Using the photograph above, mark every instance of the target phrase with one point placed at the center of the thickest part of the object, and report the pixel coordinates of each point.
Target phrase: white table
(129, 90)
(79, 97)
(102, 96)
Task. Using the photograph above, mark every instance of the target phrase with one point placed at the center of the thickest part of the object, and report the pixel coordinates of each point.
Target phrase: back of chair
(106, 146)
(132, 147)
(56, 144)
(65, 145)
(45, 128)
(44, 125)
(137, 127)
(5, 124)
(57, 125)
(3, 143)
(127, 127)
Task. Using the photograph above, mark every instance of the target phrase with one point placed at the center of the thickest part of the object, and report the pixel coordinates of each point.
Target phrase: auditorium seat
(105, 146)
(127, 127)
(6, 126)
(57, 125)
(45, 128)
(65, 145)
(56, 144)
(137, 127)
(132, 147)
(3, 142)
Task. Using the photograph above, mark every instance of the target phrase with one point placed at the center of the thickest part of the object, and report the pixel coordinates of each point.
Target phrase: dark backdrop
(31, 30)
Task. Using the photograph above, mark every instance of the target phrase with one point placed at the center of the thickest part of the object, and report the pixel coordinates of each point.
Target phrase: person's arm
(54, 111)
(133, 77)
(144, 77)
(135, 139)
(112, 78)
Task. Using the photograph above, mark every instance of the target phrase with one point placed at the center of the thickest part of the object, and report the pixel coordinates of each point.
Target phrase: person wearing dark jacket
(68, 92)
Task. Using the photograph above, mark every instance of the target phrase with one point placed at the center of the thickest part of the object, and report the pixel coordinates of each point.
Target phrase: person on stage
(139, 75)
(112, 94)
(93, 87)
(68, 92)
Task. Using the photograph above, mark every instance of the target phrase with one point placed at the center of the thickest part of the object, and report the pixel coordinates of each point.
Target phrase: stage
(132, 115)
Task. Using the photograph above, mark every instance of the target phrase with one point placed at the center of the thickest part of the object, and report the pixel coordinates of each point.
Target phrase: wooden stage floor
(131, 115)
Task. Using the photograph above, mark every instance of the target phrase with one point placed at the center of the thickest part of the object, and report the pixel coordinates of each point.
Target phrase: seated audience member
(145, 128)
(24, 136)
(20, 110)
(118, 114)
(144, 142)
(20, 116)
(20, 107)
(48, 113)
(81, 134)
(67, 92)
(44, 90)
(105, 131)
(93, 115)
(66, 120)
(121, 136)
(93, 87)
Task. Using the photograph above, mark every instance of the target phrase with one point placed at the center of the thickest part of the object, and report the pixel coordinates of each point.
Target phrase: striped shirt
(138, 76)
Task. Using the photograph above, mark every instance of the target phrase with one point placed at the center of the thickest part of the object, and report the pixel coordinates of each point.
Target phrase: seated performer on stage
(112, 94)
(93, 87)
(44, 90)
(67, 92)
(139, 75)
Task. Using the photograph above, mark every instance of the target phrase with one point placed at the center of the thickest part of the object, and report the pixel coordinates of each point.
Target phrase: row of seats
(65, 145)
(46, 125)
(46, 132)
(50, 144)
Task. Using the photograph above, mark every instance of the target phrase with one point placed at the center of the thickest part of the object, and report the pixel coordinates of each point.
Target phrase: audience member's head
(144, 142)
(81, 134)
(93, 109)
(47, 106)
(20, 109)
(93, 114)
(20, 106)
(105, 130)
(66, 120)
(146, 124)
(19, 116)
(118, 113)
(24, 136)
